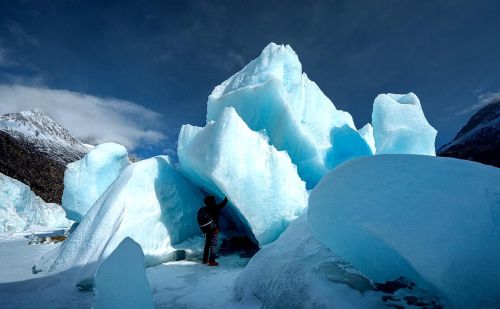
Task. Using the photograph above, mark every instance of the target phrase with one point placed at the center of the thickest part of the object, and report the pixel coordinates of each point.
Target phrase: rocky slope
(34, 149)
(479, 139)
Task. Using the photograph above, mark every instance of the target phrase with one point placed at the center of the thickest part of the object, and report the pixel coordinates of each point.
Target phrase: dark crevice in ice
(238, 237)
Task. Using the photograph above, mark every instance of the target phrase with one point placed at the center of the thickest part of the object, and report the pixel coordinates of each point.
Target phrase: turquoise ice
(149, 202)
(86, 179)
(121, 281)
(21, 209)
(400, 126)
(228, 159)
(433, 220)
(273, 95)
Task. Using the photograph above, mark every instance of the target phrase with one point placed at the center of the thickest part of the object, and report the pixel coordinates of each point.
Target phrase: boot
(214, 263)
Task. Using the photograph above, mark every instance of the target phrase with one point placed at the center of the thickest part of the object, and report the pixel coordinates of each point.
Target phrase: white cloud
(482, 100)
(90, 118)
(489, 97)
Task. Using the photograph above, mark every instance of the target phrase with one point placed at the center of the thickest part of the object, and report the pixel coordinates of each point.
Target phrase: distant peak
(29, 116)
(33, 112)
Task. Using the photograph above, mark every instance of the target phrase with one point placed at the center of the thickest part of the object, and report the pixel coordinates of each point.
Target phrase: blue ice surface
(347, 144)
(21, 209)
(86, 179)
(296, 271)
(227, 158)
(400, 126)
(273, 95)
(433, 220)
(121, 281)
(149, 202)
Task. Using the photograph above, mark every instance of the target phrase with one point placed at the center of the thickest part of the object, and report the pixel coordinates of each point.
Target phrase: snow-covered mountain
(479, 139)
(35, 150)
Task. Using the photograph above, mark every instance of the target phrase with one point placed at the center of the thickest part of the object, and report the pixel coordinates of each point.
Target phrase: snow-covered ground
(189, 284)
(20, 288)
(380, 231)
(182, 284)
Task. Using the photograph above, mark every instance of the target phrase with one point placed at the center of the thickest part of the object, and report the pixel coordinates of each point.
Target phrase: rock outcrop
(479, 139)
(35, 150)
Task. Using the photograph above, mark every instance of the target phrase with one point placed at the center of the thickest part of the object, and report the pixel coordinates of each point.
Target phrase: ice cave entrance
(236, 235)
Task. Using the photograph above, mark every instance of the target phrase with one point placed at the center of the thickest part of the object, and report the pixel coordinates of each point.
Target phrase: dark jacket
(214, 209)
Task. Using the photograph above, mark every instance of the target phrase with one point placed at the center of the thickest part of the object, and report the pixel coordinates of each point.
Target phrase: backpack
(205, 221)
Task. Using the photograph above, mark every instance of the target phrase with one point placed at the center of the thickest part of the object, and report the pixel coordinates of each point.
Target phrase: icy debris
(21, 209)
(432, 220)
(35, 239)
(261, 183)
(86, 180)
(271, 93)
(121, 281)
(400, 127)
(149, 202)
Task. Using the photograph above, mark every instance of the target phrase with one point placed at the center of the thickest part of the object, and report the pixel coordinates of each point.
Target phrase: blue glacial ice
(149, 202)
(121, 281)
(272, 94)
(400, 127)
(298, 271)
(21, 209)
(366, 133)
(433, 220)
(228, 159)
(347, 144)
(86, 179)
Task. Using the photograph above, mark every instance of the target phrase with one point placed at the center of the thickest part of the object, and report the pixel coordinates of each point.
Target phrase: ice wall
(86, 180)
(121, 281)
(149, 202)
(261, 183)
(400, 127)
(433, 220)
(272, 94)
(21, 209)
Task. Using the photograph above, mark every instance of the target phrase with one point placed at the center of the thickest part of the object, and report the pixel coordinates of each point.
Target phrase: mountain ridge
(479, 138)
(35, 150)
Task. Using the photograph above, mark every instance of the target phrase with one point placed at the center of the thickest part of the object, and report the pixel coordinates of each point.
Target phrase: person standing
(208, 219)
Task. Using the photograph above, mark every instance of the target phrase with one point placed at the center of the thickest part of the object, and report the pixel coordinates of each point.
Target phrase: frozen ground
(183, 284)
(189, 284)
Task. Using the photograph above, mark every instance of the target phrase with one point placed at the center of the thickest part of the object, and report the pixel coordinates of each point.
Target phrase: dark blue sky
(168, 55)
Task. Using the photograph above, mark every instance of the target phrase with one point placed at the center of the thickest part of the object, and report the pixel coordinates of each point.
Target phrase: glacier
(272, 94)
(121, 281)
(400, 126)
(228, 159)
(149, 202)
(297, 269)
(22, 210)
(86, 180)
(433, 220)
